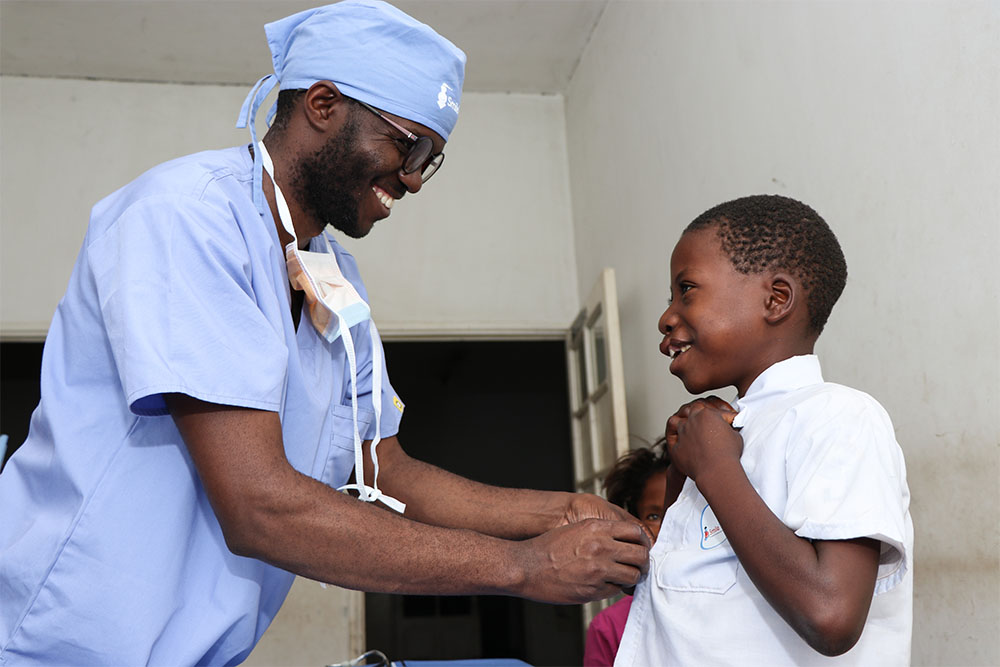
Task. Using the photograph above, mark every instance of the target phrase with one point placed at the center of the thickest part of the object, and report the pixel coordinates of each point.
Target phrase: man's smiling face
(354, 179)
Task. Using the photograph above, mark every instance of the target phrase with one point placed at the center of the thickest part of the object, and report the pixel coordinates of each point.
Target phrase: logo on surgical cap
(445, 99)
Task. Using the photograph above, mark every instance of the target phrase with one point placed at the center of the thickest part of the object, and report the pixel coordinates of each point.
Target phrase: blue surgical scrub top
(109, 550)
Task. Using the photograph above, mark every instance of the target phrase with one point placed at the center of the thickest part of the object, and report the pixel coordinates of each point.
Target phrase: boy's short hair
(770, 232)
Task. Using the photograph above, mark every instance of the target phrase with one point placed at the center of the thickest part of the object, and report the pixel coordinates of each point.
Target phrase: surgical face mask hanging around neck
(334, 307)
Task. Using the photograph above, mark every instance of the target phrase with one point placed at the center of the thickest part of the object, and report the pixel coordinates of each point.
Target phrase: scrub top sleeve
(846, 479)
(177, 292)
(392, 406)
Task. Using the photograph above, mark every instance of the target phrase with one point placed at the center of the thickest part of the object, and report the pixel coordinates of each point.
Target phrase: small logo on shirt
(711, 532)
(445, 99)
(398, 403)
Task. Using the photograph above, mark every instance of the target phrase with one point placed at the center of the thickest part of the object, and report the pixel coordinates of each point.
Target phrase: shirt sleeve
(846, 479)
(176, 290)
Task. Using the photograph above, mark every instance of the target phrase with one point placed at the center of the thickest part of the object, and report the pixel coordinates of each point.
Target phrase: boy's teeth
(386, 200)
(678, 351)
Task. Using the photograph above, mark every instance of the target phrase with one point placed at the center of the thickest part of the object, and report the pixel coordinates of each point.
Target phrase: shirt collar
(780, 378)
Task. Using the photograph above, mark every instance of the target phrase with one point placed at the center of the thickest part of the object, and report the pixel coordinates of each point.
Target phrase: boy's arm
(823, 589)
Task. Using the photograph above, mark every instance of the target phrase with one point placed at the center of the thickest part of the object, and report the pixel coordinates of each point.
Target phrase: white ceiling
(529, 46)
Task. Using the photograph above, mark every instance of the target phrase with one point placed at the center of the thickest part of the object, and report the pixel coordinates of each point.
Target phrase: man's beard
(327, 185)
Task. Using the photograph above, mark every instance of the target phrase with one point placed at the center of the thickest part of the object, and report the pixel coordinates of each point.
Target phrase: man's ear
(782, 298)
(323, 104)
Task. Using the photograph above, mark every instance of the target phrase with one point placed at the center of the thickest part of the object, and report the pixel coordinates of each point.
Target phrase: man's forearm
(270, 511)
(319, 533)
(440, 498)
(310, 529)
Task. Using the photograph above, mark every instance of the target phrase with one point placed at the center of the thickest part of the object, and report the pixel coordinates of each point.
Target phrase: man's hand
(700, 433)
(583, 506)
(583, 561)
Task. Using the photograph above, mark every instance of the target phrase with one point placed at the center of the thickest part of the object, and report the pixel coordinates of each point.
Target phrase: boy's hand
(700, 433)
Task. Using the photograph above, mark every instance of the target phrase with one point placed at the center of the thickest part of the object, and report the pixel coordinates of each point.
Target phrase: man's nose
(412, 182)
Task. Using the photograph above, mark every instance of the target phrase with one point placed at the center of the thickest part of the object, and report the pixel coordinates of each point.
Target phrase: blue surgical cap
(372, 52)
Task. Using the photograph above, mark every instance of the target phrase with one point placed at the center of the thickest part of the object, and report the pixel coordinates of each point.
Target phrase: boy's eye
(653, 516)
(682, 289)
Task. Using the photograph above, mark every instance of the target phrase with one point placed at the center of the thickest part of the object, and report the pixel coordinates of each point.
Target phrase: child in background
(642, 482)
(791, 541)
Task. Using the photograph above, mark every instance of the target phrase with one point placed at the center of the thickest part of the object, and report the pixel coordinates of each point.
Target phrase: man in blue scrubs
(212, 371)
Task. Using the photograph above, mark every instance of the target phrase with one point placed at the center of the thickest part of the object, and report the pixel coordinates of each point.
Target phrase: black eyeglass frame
(420, 156)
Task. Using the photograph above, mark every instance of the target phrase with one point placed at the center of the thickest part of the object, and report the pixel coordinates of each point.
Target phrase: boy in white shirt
(791, 541)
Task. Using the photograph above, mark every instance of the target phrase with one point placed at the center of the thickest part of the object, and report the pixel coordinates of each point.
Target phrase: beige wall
(884, 117)
(486, 246)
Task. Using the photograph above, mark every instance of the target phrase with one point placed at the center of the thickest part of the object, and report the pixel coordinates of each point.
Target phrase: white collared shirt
(824, 459)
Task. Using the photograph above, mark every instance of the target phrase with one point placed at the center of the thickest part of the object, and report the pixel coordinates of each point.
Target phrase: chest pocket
(699, 572)
(705, 563)
(340, 460)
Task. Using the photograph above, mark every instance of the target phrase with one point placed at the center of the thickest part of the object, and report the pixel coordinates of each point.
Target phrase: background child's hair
(766, 232)
(627, 479)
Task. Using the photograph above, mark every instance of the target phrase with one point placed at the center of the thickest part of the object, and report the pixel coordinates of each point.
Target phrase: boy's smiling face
(715, 328)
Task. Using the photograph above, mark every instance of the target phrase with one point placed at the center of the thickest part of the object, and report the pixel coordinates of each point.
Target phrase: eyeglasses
(419, 157)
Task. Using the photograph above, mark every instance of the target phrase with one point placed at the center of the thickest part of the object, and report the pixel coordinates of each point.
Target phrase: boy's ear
(782, 298)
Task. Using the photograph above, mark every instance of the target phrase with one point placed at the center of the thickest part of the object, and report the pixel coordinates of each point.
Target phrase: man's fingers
(631, 555)
(650, 538)
(585, 560)
(622, 576)
(631, 532)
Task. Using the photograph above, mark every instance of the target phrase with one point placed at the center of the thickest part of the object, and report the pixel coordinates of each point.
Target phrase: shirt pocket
(699, 570)
(340, 460)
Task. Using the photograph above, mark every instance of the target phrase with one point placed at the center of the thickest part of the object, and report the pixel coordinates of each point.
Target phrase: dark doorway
(20, 377)
(495, 412)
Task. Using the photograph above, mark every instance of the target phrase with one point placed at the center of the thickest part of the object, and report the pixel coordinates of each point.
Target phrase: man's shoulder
(218, 181)
(193, 174)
